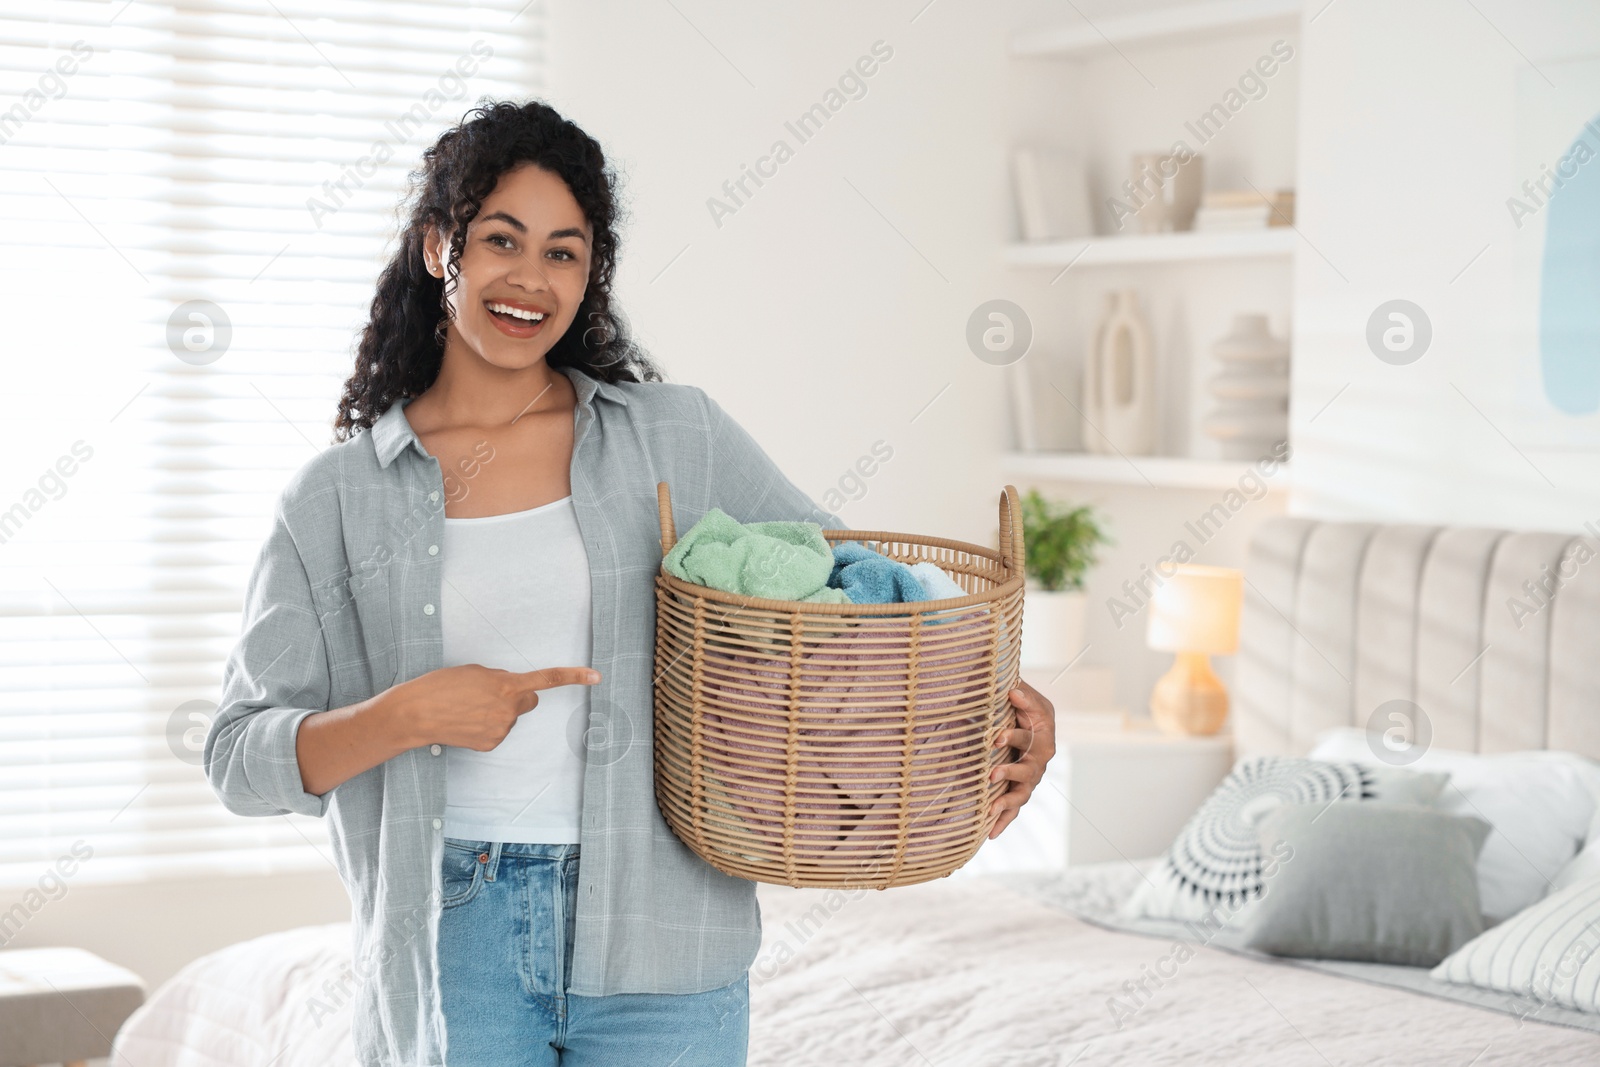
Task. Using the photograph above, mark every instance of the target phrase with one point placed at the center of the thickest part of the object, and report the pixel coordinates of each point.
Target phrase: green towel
(773, 560)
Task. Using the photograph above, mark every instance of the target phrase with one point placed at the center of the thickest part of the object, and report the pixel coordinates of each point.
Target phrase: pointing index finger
(552, 677)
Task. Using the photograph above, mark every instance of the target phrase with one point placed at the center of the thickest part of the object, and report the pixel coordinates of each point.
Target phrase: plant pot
(1052, 627)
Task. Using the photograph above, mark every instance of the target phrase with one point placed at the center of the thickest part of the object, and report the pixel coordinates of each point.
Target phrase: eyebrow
(516, 224)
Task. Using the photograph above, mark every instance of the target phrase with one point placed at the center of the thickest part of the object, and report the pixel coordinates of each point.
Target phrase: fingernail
(594, 676)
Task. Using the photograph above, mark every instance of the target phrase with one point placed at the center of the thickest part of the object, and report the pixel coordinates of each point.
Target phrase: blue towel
(869, 577)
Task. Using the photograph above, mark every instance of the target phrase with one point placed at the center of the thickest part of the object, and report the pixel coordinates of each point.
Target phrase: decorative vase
(1251, 417)
(1052, 627)
(1119, 381)
(1164, 193)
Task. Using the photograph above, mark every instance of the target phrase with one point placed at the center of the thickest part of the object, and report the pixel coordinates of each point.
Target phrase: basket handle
(669, 533)
(1012, 549)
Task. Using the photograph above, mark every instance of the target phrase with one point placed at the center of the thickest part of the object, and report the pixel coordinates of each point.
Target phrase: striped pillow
(1544, 954)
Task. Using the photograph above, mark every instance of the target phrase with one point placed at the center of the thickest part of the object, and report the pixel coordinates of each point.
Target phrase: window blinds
(198, 196)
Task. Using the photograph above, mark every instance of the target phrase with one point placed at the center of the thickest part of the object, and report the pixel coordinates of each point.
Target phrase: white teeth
(506, 309)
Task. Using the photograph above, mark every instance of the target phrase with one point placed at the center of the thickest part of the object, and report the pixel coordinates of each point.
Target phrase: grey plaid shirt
(341, 605)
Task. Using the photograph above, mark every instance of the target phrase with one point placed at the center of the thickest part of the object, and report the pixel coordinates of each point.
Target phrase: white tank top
(515, 595)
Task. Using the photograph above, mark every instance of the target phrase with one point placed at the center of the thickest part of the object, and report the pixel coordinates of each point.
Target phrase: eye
(563, 252)
(493, 237)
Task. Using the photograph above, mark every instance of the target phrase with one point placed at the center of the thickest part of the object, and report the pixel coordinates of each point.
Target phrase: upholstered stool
(62, 1005)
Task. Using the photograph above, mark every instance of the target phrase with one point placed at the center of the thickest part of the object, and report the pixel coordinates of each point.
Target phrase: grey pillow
(1380, 882)
(1214, 866)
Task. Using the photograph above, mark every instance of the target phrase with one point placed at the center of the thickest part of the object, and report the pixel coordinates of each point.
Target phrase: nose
(525, 273)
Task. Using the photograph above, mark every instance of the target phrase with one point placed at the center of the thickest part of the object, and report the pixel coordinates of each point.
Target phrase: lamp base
(1189, 699)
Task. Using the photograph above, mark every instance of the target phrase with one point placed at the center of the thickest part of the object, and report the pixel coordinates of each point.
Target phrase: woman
(449, 635)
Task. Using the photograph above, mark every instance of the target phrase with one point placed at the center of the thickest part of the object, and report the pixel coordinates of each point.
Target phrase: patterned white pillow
(1545, 954)
(1216, 868)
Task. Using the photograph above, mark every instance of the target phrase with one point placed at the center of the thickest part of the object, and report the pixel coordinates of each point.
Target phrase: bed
(1032, 969)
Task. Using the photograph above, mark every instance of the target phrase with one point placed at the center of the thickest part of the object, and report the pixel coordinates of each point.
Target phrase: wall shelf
(1162, 472)
(1187, 246)
(1186, 22)
(1187, 310)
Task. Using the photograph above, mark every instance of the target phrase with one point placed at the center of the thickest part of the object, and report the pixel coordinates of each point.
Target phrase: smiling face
(523, 270)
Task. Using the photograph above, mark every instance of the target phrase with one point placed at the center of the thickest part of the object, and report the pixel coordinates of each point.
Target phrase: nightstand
(62, 1005)
(1129, 790)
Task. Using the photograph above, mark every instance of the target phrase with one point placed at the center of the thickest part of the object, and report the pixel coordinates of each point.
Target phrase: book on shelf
(1052, 193)
(1233, 218)
(1244, 209)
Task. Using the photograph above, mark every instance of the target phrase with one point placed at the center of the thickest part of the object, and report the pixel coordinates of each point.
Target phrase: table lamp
(1195, 614)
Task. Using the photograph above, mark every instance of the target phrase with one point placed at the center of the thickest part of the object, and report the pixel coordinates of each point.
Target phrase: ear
(433, 252)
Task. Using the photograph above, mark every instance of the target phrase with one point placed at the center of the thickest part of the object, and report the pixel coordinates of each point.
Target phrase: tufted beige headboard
(1340, 618)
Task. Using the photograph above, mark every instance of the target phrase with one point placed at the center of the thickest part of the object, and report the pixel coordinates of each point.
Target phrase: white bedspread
(965, 971)
(281, 1000)
(962, 971)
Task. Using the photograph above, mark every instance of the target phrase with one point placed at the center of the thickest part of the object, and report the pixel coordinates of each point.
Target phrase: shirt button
(427, 609)
(436, 750)
(438, 823)
(433, 550)
(433, 496)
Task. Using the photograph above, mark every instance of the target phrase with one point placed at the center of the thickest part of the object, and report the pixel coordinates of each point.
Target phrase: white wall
(829, 311)
(1418, 121)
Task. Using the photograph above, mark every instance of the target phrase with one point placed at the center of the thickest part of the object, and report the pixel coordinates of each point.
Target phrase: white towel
(936, 582)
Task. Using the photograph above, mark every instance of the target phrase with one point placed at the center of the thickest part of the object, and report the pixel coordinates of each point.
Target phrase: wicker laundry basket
(838, 745)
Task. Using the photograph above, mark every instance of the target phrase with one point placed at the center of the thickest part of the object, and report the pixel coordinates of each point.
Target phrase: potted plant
(1059, 542)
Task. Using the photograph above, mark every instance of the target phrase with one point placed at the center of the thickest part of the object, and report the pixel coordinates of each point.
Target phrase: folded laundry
(782, 560)
(869, 577)
(775, 560)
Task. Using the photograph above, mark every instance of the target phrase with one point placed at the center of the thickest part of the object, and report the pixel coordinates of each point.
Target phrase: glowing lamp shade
(1195, 614)
(1197, 610)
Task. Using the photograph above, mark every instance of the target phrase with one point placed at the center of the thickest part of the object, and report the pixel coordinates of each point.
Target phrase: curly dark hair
(402, 344)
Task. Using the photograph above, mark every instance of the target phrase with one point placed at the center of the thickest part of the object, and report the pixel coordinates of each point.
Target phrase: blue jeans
(505, 959)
